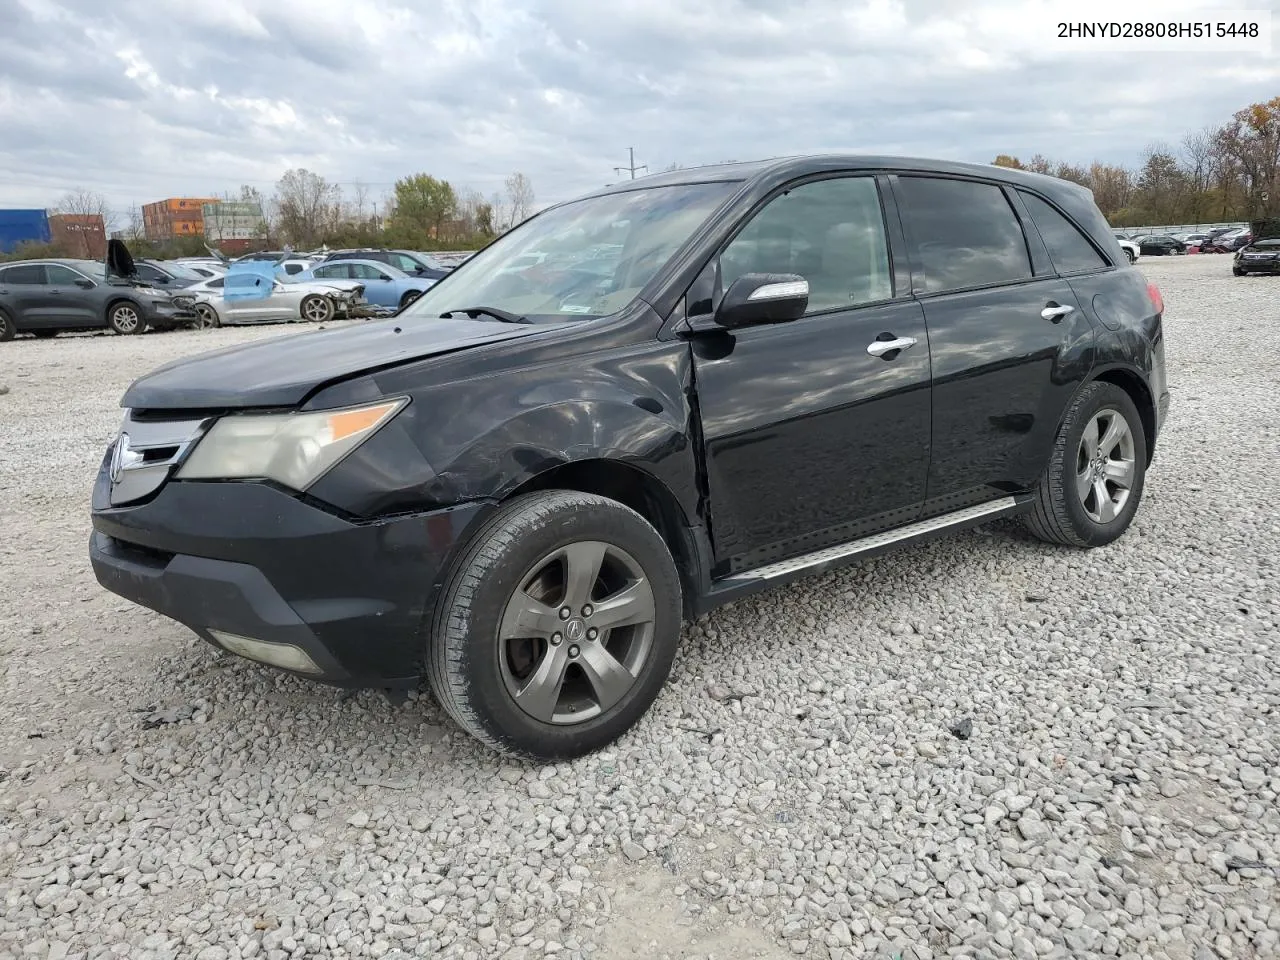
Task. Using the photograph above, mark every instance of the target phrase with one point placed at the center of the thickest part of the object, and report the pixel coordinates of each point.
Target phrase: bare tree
(308, 206)
(501, 215)
(135, 229)
(520, 197)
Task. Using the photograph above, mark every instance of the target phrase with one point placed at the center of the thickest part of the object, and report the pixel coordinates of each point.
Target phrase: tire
(1070, 508)
(316, 309)
(125, 318)
(409, 297)
(1236, 271)
(1132, 258)
(206, 317)
(483, 669)
(45, 334)
(8, 329)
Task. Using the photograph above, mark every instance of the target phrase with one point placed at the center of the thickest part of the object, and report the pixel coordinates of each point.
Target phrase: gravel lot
(795, 791)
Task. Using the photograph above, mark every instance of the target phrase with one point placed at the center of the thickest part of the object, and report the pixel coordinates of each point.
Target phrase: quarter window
(831, 232)
(962, 234)
(26, 275)
(1070, 251)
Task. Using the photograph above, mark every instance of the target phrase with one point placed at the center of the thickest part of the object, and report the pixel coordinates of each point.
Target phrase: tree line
(307, 211)
(1218, 174)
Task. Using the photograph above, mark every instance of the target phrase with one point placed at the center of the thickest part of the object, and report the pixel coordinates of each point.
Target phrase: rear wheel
(1091, 488)
(316, 309)
(557, 628)
(125, 319)
(8, 330)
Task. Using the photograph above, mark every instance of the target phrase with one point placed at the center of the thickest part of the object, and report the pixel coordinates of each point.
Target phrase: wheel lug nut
(588, 610)
(573, 650)
(592, 633)
(565, 613)
(556, 639)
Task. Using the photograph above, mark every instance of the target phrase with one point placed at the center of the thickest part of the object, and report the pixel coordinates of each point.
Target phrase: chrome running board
(842, 551)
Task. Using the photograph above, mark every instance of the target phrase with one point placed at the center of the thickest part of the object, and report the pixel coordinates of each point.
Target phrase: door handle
(878, 348)
(1055, 311)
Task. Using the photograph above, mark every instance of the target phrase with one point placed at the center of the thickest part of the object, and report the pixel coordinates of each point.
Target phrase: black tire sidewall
(8, 328)
(503, 721)
(1104, 396)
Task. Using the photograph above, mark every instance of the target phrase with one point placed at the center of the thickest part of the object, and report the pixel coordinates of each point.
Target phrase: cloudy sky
(144, 99)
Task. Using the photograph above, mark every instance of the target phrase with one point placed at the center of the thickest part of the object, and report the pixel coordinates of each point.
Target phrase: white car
(1130, 249)
(312, 302)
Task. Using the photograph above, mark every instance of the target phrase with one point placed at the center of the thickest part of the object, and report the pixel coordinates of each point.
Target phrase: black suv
(519, 486)
(414, 264)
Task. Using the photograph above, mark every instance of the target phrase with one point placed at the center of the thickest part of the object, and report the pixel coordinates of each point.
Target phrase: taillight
(1157, 301)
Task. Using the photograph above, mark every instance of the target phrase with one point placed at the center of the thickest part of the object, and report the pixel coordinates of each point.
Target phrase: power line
(632, 168)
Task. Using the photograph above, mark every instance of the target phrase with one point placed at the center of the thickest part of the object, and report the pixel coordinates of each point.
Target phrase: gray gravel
(795, 791)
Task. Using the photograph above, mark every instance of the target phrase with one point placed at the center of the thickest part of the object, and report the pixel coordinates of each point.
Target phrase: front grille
(145, 453)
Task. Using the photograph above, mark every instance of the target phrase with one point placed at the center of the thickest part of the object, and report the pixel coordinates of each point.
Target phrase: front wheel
(1130, 255)
(8, 329)
(316, 309)
(125, 319)
(1090, 491)
(409, 297)
(1236, 271)
(557, 628)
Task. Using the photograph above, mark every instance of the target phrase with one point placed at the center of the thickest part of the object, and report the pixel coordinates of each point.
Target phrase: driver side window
(831, 232)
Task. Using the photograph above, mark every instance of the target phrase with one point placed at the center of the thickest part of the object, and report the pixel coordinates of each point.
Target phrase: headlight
(294, 449)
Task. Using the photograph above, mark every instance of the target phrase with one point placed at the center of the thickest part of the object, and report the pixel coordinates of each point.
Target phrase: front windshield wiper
(494, 312)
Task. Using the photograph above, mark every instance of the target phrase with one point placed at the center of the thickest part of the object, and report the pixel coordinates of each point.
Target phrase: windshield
(585, 259)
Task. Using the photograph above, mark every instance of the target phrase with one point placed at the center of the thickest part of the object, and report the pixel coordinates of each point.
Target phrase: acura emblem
(575, 630)
(123, 458)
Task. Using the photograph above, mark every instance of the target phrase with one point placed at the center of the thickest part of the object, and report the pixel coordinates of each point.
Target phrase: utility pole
(632, 168)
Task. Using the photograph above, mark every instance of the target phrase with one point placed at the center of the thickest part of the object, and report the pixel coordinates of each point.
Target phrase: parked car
(414, 264)
(206, 270)
(1131, 249)
(384, 285)
(251, 293)
(1261, 256)
(168, 274)
(48, 297)
(1231, 242)
(798, 363)
(1193, 239)
(1160, 246)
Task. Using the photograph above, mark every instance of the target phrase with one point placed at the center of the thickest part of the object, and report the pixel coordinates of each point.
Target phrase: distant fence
(1177, 228)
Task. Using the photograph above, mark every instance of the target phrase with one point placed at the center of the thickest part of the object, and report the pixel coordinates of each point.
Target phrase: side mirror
(758, 298)
(85, 284)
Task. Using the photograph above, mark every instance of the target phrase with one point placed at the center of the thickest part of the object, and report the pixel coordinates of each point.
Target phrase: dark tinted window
(1068, 247)
(28, 273)
(964, 234)
(831, 232)
(337, 271)
(216, 284)
(292, 268)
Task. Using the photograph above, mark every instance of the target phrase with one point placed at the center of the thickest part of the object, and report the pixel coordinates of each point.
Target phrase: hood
(282, 372)
(119, 260)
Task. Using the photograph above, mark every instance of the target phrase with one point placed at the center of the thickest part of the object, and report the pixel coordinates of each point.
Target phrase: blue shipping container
(20, 226)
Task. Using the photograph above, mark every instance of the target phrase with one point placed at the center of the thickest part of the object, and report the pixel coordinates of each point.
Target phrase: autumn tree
(1251, 141)
(1004, 160)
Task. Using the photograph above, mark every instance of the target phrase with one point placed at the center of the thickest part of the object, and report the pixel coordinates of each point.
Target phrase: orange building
(80, 235)
(175, 217)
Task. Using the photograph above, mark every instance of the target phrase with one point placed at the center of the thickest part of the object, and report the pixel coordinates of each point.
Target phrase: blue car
(384, 285)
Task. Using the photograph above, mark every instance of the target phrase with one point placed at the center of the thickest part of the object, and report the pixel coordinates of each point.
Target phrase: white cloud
(144, 101)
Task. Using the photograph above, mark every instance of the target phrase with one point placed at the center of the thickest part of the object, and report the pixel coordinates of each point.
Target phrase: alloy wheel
(317, 309)
(208, 317)
(125, 319)
(576, 633)
(1106, 468)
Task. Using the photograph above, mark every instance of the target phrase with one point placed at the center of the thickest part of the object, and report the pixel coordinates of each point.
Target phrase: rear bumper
(248, 560)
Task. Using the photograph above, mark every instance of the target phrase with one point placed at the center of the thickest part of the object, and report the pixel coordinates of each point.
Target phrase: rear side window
(335, 272)
(1070, 251)
(292, 268)
(28, 273)
(963, 234)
